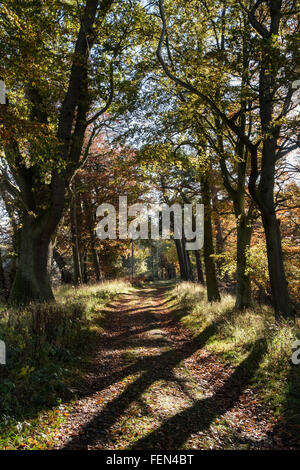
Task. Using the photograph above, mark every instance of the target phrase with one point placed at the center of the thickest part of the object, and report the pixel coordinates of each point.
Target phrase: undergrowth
(234, 336)
(45, 344)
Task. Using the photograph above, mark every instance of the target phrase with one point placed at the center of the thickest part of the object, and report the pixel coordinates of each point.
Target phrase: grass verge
(45, 346)
(276, 378)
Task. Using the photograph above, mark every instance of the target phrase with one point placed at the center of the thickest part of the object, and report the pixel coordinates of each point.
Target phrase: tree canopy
(190, 102)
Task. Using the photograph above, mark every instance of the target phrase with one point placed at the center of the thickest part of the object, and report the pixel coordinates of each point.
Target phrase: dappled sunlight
(155, 379)
(149, 229)
(155, 383)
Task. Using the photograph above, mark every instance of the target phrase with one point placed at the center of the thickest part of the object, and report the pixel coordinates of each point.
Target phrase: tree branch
(109, 100)
(188, 86)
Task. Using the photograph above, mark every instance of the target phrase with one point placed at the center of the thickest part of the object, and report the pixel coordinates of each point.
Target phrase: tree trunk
(268, 80)
(74, 236)
(84, 267)
(132, 259)
(264, 196)
(210, 267)
(219, 233)
(187, 262)
(243, 286)
(32, 281)
(182, 267)
(90, 222)
(3, 289)
(66, 277)
(199, 267)
(95, 257)
(279, 286)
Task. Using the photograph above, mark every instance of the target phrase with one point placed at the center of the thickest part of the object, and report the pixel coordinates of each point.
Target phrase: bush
(235, 333)
(45, 341)
(40, 339)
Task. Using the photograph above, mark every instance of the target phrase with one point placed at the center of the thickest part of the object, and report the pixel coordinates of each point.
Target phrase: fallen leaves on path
(150, 385)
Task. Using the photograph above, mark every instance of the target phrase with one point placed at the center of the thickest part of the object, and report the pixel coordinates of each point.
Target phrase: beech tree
(274, 24)
(58, 66)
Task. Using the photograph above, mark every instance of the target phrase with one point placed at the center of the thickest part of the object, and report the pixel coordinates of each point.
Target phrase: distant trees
(265, 83)
(193, 105)
(58, 65)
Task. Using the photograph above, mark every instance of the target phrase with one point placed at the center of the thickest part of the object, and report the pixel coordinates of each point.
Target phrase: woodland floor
(150, 385)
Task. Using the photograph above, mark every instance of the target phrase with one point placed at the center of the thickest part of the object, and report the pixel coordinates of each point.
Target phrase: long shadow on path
(197, 417)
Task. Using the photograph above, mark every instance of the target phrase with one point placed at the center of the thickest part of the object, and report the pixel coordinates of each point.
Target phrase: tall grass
(45, 341)
(235, 333)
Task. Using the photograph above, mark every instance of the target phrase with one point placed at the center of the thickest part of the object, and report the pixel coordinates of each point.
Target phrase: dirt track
(150, 386)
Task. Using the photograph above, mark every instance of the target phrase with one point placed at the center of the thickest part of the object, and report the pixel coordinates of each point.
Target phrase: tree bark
(187, 261)
(243, 285)
(219, 232)
(90, 222)
(95, 257)
(77, 276)
(182, 266)
(270, 68)
(263, 195)
(32, 280)
(243, 216)
(84, 266)
(199, 267)
(3, 288)
(45, 201)
(278, 282)
(66, 276)
(210, 267)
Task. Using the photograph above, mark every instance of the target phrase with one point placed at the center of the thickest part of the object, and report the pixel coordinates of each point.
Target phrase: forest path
(151, 386)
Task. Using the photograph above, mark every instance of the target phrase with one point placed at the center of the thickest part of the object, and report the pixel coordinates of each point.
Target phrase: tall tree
(274, 23)
(43, 149)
